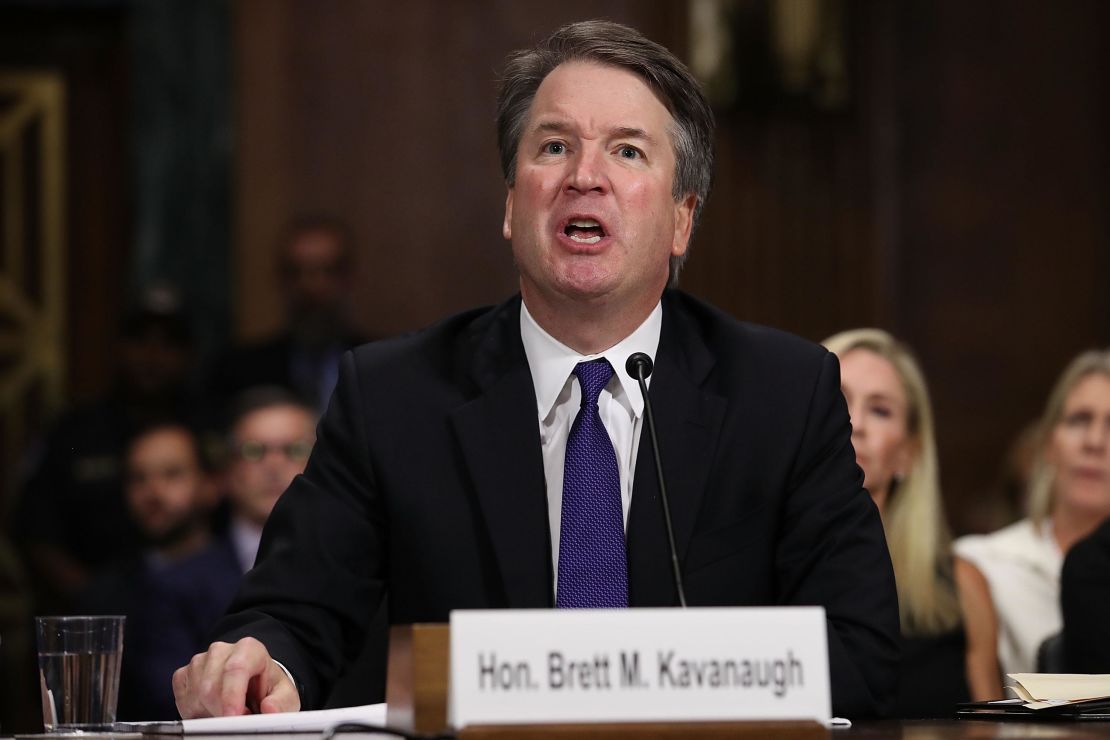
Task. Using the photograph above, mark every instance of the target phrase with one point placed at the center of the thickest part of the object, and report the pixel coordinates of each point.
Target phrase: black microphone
(639, 366)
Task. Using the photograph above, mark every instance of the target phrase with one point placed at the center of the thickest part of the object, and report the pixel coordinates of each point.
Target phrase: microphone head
(638, 363)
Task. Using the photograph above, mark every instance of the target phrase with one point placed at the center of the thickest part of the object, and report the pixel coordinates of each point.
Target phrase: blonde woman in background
(1069, 495)
(948, 623)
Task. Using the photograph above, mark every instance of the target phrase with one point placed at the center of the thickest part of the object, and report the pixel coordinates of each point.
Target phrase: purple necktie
(593, 568)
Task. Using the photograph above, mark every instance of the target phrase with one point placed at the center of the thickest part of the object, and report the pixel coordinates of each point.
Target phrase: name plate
(523, 666)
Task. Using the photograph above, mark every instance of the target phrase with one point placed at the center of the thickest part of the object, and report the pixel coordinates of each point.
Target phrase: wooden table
(873, 730)
(967, 729)
(954, 729)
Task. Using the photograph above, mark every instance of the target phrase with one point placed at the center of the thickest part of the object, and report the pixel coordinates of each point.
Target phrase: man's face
(591, 215)
(314, 275)
(271, 446)
(165, 485)
(152, 363)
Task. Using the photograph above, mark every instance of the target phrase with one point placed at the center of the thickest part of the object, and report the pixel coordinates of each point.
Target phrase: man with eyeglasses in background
(174, 594)
(270, 436)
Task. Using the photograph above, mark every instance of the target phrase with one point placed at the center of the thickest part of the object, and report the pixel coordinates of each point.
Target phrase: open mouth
(584, 231)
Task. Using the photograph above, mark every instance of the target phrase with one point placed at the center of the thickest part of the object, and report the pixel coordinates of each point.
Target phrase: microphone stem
(662, 486)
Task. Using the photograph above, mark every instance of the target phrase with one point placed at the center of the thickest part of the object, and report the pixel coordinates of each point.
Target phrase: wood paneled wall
(86, 46)
(382, 113)
(958, 200)
(1004, 232)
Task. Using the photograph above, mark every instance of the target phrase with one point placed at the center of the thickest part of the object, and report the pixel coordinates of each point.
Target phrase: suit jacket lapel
(688, 420)
(499, 438)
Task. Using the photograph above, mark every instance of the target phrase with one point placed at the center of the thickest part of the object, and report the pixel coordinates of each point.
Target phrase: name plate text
(638, 665)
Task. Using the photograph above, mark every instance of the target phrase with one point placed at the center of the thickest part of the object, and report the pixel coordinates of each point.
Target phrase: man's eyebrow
(631, 132)
(618, 132)
(555, 127)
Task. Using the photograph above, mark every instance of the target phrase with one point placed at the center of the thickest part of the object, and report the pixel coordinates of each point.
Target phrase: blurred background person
(71, 517)
(184, 579)
(269, 439)
(948, 626)
(1003, 502)
(179, 585)
(1017, 471)
(314, 271)
(1069, 496)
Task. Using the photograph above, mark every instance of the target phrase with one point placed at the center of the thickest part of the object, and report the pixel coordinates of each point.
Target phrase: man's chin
(589, 286)
(170, 535)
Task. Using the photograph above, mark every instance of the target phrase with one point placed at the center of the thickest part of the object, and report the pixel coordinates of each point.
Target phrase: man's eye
(174, 473)
(554, 147)
(629, 152)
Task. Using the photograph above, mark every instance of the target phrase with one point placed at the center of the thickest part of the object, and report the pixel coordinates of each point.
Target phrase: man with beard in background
(176, 588)
(314, 268)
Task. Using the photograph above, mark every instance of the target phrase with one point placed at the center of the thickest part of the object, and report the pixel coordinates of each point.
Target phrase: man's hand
(231, 680)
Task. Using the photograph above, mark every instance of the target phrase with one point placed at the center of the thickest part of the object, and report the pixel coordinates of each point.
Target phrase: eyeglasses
(254, 451)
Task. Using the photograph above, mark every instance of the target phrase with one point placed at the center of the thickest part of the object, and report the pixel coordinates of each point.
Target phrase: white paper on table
(314, 721)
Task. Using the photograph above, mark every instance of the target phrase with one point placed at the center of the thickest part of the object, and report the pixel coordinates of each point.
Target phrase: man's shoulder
(448, 343)
(212, 568)
(217, 555)
(114, 588)
(741, 346)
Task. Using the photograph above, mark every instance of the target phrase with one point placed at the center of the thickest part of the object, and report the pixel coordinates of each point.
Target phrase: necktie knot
(593, 376)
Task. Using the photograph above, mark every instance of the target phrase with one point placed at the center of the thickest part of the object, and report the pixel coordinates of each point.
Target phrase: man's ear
(683, 223)
(507, 225)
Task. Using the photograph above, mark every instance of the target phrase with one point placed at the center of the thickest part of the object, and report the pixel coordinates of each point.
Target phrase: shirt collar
(245, 538)
(552, 362)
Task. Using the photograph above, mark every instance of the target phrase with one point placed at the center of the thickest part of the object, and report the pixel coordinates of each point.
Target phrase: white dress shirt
(558, 398)
(245, 538)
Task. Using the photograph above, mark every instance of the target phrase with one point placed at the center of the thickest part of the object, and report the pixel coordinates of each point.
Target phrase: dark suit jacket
(270, 362)
(427, 482)
(170, 610)
(1085, 603)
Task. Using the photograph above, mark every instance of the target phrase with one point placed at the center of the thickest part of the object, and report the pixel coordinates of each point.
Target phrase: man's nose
(587, 171)
(275, 456)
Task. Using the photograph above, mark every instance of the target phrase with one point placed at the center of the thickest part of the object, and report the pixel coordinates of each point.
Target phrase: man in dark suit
(449, 468)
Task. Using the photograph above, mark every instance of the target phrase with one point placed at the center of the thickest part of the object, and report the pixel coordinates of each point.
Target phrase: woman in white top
(1069, 495)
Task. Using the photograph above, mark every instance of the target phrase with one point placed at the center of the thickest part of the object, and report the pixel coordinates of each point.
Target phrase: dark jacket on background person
(171, 609)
